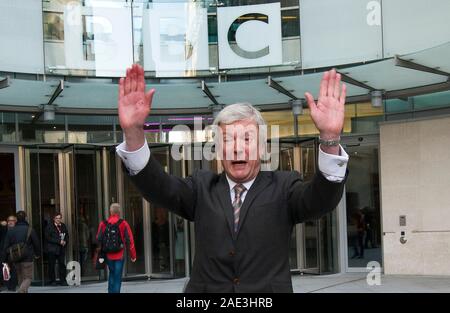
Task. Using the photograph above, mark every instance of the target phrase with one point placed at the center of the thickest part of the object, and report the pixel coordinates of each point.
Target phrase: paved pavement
(337, 283)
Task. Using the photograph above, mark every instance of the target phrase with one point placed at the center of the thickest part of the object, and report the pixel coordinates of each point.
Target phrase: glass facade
(361, 117)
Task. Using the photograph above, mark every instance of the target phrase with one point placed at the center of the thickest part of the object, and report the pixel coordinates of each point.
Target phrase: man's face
(11, 222)
(240, 153)
(58, 219)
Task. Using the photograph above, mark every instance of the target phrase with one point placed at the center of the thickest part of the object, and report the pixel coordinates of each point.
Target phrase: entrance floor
(337, 283)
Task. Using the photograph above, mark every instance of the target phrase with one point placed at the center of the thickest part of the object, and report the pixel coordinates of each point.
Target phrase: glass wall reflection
(91, 128)
(33, 129)
(363, 206)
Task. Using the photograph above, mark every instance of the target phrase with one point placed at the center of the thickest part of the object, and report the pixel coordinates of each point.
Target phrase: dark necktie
(237, 203)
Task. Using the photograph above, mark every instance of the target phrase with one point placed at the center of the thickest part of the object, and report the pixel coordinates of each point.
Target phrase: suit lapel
(225, 200)
(261, 181)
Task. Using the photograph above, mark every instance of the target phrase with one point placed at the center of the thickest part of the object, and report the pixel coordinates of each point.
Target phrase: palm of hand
(134, 102)
(329, 115)
(133, 110)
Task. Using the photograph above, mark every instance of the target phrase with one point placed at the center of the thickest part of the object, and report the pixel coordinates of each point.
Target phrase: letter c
(232, 36)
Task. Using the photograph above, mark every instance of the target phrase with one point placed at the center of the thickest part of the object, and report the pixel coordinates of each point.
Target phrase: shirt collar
(232, 183)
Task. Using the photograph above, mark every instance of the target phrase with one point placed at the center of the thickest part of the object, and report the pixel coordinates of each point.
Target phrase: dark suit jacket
(53, 238)
(256, 259)
(18, 234)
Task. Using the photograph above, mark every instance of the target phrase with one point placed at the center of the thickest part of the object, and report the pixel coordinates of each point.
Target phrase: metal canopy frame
(439, 81)
(208, 93)
(276, 85)
(59, 88)
(419, 67)
(57, 91)
(354, 82)
(4, 82)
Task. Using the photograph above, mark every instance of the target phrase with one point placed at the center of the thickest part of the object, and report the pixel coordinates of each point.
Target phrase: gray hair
(237, 112)
(114, 208)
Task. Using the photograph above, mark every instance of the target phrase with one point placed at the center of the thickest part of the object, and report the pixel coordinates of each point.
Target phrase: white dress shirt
(332, 166)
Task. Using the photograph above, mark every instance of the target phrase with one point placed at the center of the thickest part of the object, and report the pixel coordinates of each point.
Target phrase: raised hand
(134, 106)
(328, 113)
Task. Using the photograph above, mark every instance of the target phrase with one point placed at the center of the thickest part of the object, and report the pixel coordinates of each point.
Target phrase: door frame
(66, 190)
(71, 209)
(25, 157)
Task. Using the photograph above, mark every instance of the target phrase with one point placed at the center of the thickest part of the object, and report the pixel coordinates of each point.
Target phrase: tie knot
(239, 189)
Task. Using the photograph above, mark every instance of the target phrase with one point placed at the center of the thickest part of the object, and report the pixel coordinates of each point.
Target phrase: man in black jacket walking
(16, 235)
(57, 236)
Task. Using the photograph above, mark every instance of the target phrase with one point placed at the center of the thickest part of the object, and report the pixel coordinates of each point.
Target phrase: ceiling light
(297, 106)
(377, 98)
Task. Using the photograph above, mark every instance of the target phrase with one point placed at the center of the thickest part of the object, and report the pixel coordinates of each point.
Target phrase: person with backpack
(113, 236)
(20, 246)
(57, 236)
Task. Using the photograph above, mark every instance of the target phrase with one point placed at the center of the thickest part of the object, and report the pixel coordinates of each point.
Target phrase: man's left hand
(328, 113)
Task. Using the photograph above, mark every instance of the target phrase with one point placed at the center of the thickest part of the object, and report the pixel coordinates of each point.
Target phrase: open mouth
(239, 162)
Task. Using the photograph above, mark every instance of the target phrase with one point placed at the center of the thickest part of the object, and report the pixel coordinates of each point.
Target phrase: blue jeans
(115, 275)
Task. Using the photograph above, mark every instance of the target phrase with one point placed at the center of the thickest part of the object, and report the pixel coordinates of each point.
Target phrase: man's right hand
(134, 106)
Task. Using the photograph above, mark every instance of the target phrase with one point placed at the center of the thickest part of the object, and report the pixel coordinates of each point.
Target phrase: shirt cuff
(332, 166)
(134, 161)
